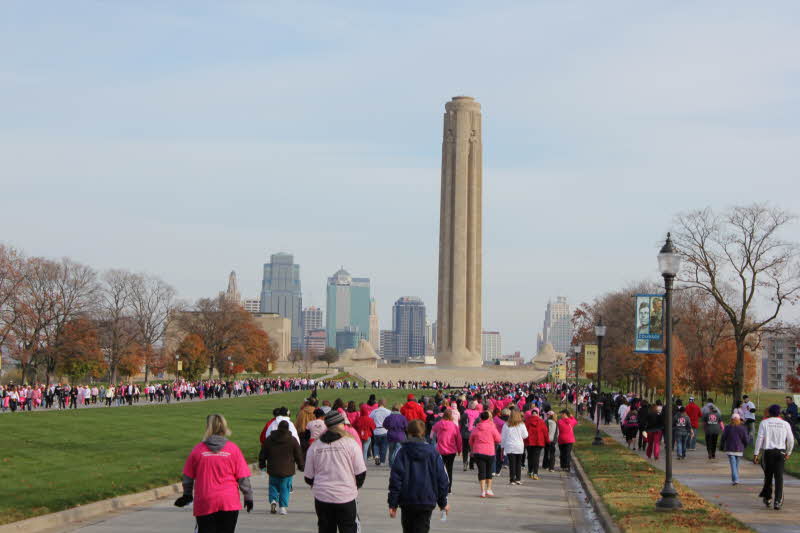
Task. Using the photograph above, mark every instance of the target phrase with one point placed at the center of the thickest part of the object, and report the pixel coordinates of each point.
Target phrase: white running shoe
(489, 493)
(283, 511)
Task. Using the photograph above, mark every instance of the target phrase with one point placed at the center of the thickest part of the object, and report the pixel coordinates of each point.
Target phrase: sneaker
(531, 475)
(550, 470)
(283, 511)
(778, 504)
(767, 501)
(536, 476)
(465, 467)
(735, 483)
(483, 494)
(377, 462)
(273, 507)
(489, 493)
(518, 483)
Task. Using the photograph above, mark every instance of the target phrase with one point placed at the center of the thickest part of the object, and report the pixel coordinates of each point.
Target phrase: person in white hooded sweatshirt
(513, 443)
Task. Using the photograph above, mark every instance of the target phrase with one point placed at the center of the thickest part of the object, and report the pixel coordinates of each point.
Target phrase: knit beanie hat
(334, 418)
(774, 410)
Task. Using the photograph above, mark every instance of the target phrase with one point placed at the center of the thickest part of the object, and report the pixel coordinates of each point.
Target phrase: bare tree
(12, 277)
(118, 332)
(152, 302)
(739, 258)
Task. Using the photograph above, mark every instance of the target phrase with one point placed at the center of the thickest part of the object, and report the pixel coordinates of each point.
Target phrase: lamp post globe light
(600, 332)
(669, 263)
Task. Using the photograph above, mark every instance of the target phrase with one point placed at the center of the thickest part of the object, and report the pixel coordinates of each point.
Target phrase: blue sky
(187, 138)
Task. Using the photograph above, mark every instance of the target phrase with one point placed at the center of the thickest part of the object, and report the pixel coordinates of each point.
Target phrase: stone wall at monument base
(456, 377)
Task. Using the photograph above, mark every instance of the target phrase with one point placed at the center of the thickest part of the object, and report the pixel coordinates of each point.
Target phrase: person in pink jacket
(566, 437)
(482, 442)
(448, 442)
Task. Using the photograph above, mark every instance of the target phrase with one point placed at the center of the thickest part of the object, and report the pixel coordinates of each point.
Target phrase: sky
(191, 138)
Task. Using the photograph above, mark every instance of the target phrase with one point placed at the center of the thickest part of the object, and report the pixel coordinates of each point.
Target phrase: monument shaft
(460, 259)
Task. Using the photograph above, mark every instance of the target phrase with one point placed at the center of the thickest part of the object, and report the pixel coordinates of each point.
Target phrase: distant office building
(232, 293)
(348, 306)
(312, 319)
(430, 345)
(557, 328)
(280, 293)
(252, 305)
(490, 345)
(316, 341)
(374, 327)
(347, 338)
(278, 329)
(408, 323)
(782, 358)
(389, 346)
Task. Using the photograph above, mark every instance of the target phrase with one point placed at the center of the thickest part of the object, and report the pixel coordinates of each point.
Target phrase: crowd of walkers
(491, 427)
(19, 398)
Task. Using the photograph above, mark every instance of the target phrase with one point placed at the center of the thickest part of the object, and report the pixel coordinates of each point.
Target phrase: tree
(738, 258)
(78, 352)
(152, 302)
(118, 330)
(222, 325)
(295, 356)
(12, 277)
(193, 355)
(329, 356)
(259, 350)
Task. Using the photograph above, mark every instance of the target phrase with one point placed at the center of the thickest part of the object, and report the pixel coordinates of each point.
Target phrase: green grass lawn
(792, 466)
(629, 486)
(56, 460)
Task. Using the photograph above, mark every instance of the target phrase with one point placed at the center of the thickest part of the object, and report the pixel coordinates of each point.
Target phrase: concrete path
(712, 480)
(553, 504)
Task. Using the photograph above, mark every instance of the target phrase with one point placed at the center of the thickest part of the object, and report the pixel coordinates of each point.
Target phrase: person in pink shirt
(448, 442)
(566, 437)
(213, 475)
(335, 469)
(482, 442)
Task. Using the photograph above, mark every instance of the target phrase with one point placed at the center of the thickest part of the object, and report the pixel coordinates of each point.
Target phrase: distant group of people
(491, 427)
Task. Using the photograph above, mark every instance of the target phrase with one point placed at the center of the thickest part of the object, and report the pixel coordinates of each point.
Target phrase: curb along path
(712, 480)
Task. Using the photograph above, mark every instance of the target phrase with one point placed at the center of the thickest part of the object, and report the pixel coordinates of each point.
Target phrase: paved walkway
(553, 504)
(712, 480)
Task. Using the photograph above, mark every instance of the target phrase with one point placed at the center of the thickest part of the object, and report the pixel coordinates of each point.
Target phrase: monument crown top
(463, 98)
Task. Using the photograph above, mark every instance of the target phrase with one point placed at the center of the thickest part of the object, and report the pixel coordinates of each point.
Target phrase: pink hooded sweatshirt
(484, 437)
(448, 437)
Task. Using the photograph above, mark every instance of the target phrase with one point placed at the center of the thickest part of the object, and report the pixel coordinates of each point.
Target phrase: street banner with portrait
(649, 335)
(589, 359)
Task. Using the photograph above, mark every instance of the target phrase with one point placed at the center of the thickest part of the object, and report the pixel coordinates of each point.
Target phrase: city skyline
(580, 185)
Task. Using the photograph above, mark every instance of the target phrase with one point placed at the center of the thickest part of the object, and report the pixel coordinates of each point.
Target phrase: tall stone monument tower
(460, 259)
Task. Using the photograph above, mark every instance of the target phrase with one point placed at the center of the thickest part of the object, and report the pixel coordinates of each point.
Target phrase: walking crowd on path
(491, 427)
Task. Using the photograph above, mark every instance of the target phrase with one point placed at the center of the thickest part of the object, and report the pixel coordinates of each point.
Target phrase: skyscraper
(280, 293)
(312, 319)
(252, 305)
(232, 293)
(557, 329)
(388, 345)
(374, 327)
(491, 347)
(348, 306)
(408, 323)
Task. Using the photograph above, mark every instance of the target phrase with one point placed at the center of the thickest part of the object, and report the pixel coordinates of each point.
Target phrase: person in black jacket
(655, 428)
(278, 457)
(418, 481)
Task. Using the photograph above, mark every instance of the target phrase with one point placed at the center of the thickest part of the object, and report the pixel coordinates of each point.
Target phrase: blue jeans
(393, 448)
(693, 441)
(279, 488)
(365, 445)
(380, 443)
(681, 443)
(734, 460)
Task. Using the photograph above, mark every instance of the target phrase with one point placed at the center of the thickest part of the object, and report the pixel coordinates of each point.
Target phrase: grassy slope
(629, 486)
(766, 399)
(57, 460)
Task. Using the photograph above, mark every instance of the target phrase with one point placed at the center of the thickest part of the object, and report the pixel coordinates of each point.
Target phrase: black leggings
(564, 451)
(465, 451)
(514, 466)
(549, 461)
(533, 459)
(333, 515)
(449, 459)
(219, 522)
(485, 465)
(711, 444)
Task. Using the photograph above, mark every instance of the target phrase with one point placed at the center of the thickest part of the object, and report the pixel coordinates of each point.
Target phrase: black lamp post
(600, 331)
(669, 263)
(577, 350)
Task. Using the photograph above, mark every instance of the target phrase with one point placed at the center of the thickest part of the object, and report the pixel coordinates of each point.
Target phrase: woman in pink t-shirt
(213, 475)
